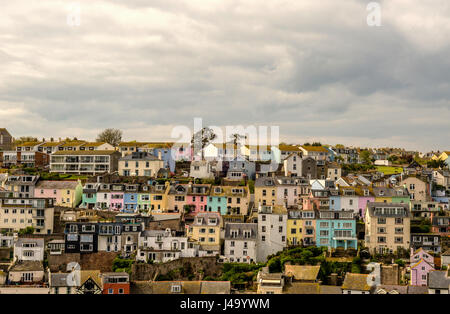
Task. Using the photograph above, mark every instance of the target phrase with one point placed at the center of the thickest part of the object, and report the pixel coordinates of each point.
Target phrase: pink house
(197, 196)
(117, 201)
(362, 204)
(421, 264)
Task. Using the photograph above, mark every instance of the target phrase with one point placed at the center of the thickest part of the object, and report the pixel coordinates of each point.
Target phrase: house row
(168, 197)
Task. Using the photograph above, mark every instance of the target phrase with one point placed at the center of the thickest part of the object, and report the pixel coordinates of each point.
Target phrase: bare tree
(110, 136)
(201, 139)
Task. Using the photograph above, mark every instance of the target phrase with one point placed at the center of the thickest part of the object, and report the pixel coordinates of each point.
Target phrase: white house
(201, 169)
(163, 246)
(272, 222)
(29, 249)
(292, 165)
(240, 242)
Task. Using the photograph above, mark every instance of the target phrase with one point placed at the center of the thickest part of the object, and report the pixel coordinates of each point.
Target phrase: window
(176, 288)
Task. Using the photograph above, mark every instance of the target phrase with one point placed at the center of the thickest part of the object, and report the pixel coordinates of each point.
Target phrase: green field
(388, 170)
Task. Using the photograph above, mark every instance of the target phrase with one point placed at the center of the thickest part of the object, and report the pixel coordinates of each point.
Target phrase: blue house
(130, 198)
(336, 229)
(217, 204)
(163, 151)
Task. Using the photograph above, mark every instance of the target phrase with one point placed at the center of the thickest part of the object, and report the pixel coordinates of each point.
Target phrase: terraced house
(64, 193)
(301, 226)
(336, 229)
(228, 200)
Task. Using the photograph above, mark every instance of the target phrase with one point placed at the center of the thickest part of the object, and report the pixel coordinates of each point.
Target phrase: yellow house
(294, 230)
(265, 192)
(206, 228)
(159, 197)
(300, 227)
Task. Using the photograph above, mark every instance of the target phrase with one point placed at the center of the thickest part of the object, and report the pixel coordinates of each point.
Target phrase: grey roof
(390, 192)
(241, 227)
(417, 290)
(437, 279)
(39, 241)
(373, 205)
(55, 185)
(58, 280)
(139, 156)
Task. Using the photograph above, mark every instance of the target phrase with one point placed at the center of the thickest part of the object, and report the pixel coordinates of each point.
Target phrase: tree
(436, 164)
(110, 136)
(202, 138)
(365, 156)
(236, 138)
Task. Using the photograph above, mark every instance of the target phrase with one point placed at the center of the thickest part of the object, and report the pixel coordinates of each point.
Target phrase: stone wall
(187, 268)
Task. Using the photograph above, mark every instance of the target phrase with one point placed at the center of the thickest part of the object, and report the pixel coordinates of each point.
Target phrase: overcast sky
(313, 68)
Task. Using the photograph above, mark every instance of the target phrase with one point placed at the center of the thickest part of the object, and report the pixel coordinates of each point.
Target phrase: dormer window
(212, 221)
(217, 190)
(175, 288)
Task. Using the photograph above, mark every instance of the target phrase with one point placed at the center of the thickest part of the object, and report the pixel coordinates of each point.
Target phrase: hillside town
(129, 217)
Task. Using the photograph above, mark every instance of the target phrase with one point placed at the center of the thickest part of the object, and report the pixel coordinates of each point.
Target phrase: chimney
(159, 155)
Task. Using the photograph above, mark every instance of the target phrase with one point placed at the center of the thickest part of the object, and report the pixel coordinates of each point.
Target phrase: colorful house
(65, 193)
(159, 196)
(421, 264)
(301, 225)
(130, 198)
(143, 198)
(89, 199)
(336, 229)
(391, 195)
(197, 197)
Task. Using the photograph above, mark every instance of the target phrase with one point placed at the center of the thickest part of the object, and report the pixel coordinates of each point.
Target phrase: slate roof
(187, 287)
(56, 185)
(59, 280)
(437, 279)
(39, 241)
(373, 205)
(241, 227)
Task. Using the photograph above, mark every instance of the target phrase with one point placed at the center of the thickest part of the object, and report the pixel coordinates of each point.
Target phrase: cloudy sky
(316, 69)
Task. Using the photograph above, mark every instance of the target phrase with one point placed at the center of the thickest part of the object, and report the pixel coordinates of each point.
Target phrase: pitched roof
(27, 266)
(93, 144)
(85, 152)
(356, 282)
(56, 185)
(302, 272)
(314, 148)
(93, 274)
(289, 148)
(302, 288)
(437, 279)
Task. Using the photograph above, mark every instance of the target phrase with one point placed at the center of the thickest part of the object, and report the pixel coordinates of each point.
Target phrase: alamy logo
(374, 17)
